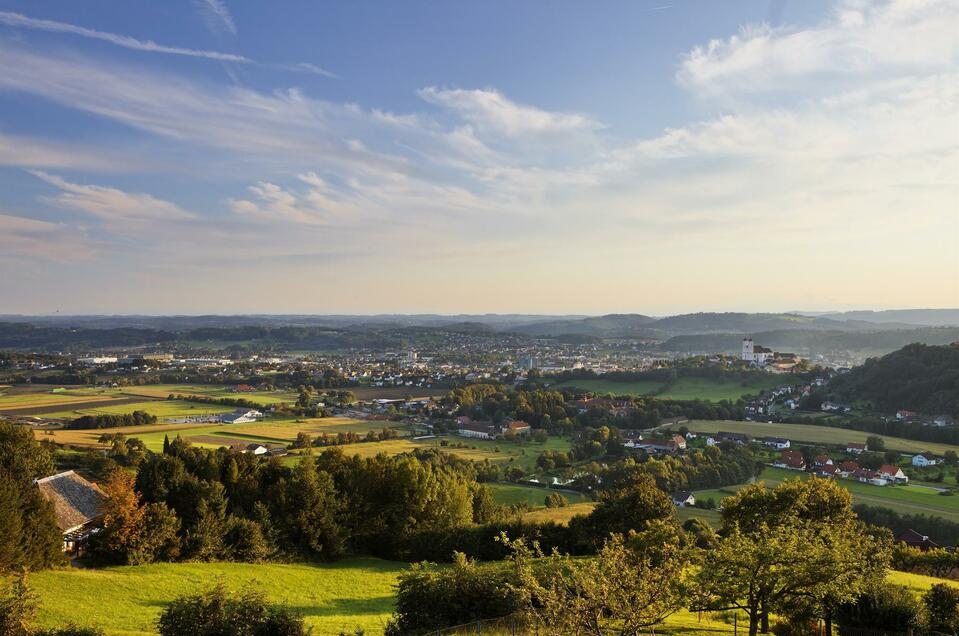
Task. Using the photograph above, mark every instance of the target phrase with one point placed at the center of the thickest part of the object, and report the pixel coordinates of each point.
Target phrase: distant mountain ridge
(922, 317)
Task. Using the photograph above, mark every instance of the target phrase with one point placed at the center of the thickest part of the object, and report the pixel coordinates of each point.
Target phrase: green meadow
(709, 389)
(333, 598)
(902, 499)
(814, 434)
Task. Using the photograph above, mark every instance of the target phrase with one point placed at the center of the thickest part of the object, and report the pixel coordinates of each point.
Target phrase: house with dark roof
(76, 504)
(915, 540)
(684, 498)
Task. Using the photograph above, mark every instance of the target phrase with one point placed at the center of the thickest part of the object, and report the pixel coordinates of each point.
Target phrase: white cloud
(111, 204)
(862, 39)
(218, 15)
(28, 152)
(490, 110)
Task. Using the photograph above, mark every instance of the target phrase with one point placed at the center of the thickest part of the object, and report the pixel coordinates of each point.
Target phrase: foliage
(17, 607)
(884, 606)
(623, 588)
(941, 603)
(136, 418)
(29, 536)
(217, 612)
(919, 377)
(430, 598)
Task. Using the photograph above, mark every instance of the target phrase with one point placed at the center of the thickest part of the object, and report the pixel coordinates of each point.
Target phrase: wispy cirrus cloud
(52, 26)
(18, 20)
(218, 15)
(26, 237)
(112, 204)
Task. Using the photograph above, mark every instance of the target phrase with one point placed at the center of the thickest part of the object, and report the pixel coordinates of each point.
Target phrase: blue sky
(661, 156)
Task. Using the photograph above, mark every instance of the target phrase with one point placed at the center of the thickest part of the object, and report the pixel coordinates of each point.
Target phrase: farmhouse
(854, 448)
(738, 438)
(944, 420)
(240, 416)
(893, 474)
(905, 414)
(793, 460)
(669, 445)
(76, 503)
(256, 449)
(924, 459)
(776, 442)
(915, 540)
(516, 427)
(684, 498)
(480, 430)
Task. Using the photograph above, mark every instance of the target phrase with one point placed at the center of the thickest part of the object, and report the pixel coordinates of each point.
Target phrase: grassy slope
(904, 500)
(815, 434)
(510, 494)
(333, 597)
(127, 600)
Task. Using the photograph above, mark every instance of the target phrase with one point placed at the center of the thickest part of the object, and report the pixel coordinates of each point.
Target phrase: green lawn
(906, 500)
(161, 408)
(709, 389)
(509, 494)
(127, 600)
(163, 390)
(814, 434)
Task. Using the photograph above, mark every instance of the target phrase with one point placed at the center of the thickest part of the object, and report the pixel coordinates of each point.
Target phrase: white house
(854, 448)
(256, 449)
(776, 442)
(893, 473)
(684, 498)
(924, 459)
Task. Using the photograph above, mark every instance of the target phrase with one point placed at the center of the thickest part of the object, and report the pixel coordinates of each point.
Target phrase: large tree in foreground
(798, 547)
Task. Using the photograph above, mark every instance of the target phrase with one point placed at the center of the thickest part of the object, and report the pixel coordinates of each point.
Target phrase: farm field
(560, 515)
(335, 597)
(509, 494)
(683, 389)
(814, 434)
(16, 399)
(160, 408)
(263, 398)
(906, 500)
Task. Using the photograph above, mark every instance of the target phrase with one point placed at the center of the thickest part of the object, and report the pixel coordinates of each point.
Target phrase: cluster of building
(773, 361)
(824, 466)
(485, 429)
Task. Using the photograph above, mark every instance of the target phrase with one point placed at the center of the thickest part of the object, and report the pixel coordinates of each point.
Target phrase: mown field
(814, 434)
(902, 499)
(712, 390)
(509, 494)
(333, 598)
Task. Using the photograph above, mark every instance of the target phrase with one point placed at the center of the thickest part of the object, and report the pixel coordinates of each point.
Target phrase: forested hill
(876, 342)
(917, 377)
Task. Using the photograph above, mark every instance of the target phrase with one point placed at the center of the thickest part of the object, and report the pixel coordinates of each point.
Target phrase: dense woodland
(917, 377)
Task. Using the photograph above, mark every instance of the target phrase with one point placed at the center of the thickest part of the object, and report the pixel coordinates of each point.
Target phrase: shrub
(429, 599)
(217, 612)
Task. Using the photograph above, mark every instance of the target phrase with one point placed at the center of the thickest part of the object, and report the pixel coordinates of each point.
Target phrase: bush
(892, 607)
(430, 599)
(70, 630)
(245, 541)
(217, 612)
(942, 608)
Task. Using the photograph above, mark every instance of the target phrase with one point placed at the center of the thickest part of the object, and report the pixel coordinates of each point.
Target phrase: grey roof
(75, 500)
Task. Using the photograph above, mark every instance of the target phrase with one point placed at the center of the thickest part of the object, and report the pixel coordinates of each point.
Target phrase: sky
(545, 156)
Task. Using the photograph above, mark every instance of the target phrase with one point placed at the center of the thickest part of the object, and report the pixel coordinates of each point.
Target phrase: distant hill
(878, 341)
(917, 377)
(929, 317)
(611, 325)
(640, 326)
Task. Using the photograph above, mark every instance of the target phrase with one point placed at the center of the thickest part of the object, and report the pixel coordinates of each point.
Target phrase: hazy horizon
(201, 157)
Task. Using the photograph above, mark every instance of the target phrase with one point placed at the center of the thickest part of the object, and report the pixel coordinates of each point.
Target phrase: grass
(509, 494)
(335, 597)
(904, 500)
(692, 388)
(160, 408)
(560, 515)
(814, 434)
(263, 398)
(51, 400)
(127, 600)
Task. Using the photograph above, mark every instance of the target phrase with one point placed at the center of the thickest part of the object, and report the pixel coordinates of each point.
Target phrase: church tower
(748, 350)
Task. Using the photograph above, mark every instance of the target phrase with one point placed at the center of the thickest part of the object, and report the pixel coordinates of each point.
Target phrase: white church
(755, 353)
